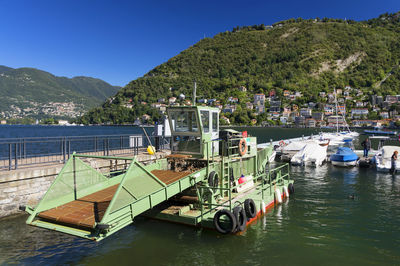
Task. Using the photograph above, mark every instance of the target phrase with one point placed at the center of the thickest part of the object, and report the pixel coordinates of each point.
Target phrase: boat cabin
(194, 130)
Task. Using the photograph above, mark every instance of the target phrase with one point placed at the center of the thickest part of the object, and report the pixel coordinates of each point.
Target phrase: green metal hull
(140, 189)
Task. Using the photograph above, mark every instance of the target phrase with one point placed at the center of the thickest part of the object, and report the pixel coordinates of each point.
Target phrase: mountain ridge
(305, 55)
(28, 88)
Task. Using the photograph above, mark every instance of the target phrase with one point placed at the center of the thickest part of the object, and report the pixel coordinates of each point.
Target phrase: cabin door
(215, 130)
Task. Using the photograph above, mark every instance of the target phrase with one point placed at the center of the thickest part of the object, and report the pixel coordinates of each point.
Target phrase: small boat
(344, 156)
(311, 154)
(383, 159)
(380, 132)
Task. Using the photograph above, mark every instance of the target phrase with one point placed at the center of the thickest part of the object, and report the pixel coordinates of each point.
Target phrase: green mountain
(29, 92)
(300, 55)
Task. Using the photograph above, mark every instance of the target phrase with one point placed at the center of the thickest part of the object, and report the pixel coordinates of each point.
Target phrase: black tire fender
(250, 208)
(241, 218)
(231, 218)
(213, 180)
(291, 189)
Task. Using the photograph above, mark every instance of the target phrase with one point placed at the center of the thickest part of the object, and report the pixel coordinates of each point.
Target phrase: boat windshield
(184, 121)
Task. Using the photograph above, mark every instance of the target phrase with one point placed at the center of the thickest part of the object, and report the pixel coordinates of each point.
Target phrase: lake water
(319, 225)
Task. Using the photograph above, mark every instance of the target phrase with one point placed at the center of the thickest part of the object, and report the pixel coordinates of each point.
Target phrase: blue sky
(119, 41)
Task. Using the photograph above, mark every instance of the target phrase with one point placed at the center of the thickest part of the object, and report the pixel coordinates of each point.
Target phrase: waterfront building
(286, 93)
(229, 108)
(329, 109)
(259, 99)
(331, 98)
(275, 106)
(299, 120)
(391, 99)
(311, 122)
(260, 109)
(333, 120)
(249, 106)
(286, 111)
(172, 100)
(306, 112)
(358, 112)
(379, 100)
(341, 109)
(317, 115)
(272, 93)
(384, 115)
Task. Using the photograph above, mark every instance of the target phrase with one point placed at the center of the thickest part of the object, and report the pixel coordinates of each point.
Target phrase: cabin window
(184, 121)
(205, 120)
(215, 122)
(186, 144)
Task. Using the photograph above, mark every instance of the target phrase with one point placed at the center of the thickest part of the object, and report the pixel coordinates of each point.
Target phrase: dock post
(69, 148)
(9, 157)
(104, 147)
(95, 144)
(64, 148)
(24, 148)
(16, 155)
(108, 146)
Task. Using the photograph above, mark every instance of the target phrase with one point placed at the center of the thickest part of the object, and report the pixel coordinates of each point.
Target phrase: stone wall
(24, 187)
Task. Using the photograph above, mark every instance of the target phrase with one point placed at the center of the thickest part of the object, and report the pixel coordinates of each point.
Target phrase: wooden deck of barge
(85, 212)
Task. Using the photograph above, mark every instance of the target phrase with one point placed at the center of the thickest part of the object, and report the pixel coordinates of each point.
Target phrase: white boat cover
(311, 153)
(294, 146)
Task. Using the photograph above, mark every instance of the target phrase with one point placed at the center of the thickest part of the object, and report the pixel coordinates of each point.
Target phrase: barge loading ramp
(84, 202)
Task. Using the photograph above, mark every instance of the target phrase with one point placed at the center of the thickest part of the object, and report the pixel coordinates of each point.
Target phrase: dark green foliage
(288, 56)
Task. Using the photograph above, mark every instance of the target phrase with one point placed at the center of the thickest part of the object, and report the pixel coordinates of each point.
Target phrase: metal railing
(16, 152)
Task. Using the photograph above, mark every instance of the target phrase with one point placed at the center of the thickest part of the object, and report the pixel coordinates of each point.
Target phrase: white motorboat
(383, 159)
(311, 154)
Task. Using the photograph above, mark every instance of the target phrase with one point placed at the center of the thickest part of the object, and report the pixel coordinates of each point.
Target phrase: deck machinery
(212, 178)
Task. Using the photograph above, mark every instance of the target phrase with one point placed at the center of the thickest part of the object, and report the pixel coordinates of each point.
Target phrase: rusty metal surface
(83, 212)
(169, 176)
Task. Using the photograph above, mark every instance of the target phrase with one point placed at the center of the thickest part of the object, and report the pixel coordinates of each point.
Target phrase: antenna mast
(194, 93)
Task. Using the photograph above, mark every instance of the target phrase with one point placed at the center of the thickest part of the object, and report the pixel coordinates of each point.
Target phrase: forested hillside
(24, 92)
(301, 55)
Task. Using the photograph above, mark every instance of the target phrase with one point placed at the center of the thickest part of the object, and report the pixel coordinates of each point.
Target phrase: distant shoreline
(224, 126)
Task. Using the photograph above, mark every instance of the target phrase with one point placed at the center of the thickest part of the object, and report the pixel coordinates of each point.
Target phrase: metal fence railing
(15, 152)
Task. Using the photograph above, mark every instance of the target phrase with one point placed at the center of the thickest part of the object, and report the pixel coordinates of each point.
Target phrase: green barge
(212, 178)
